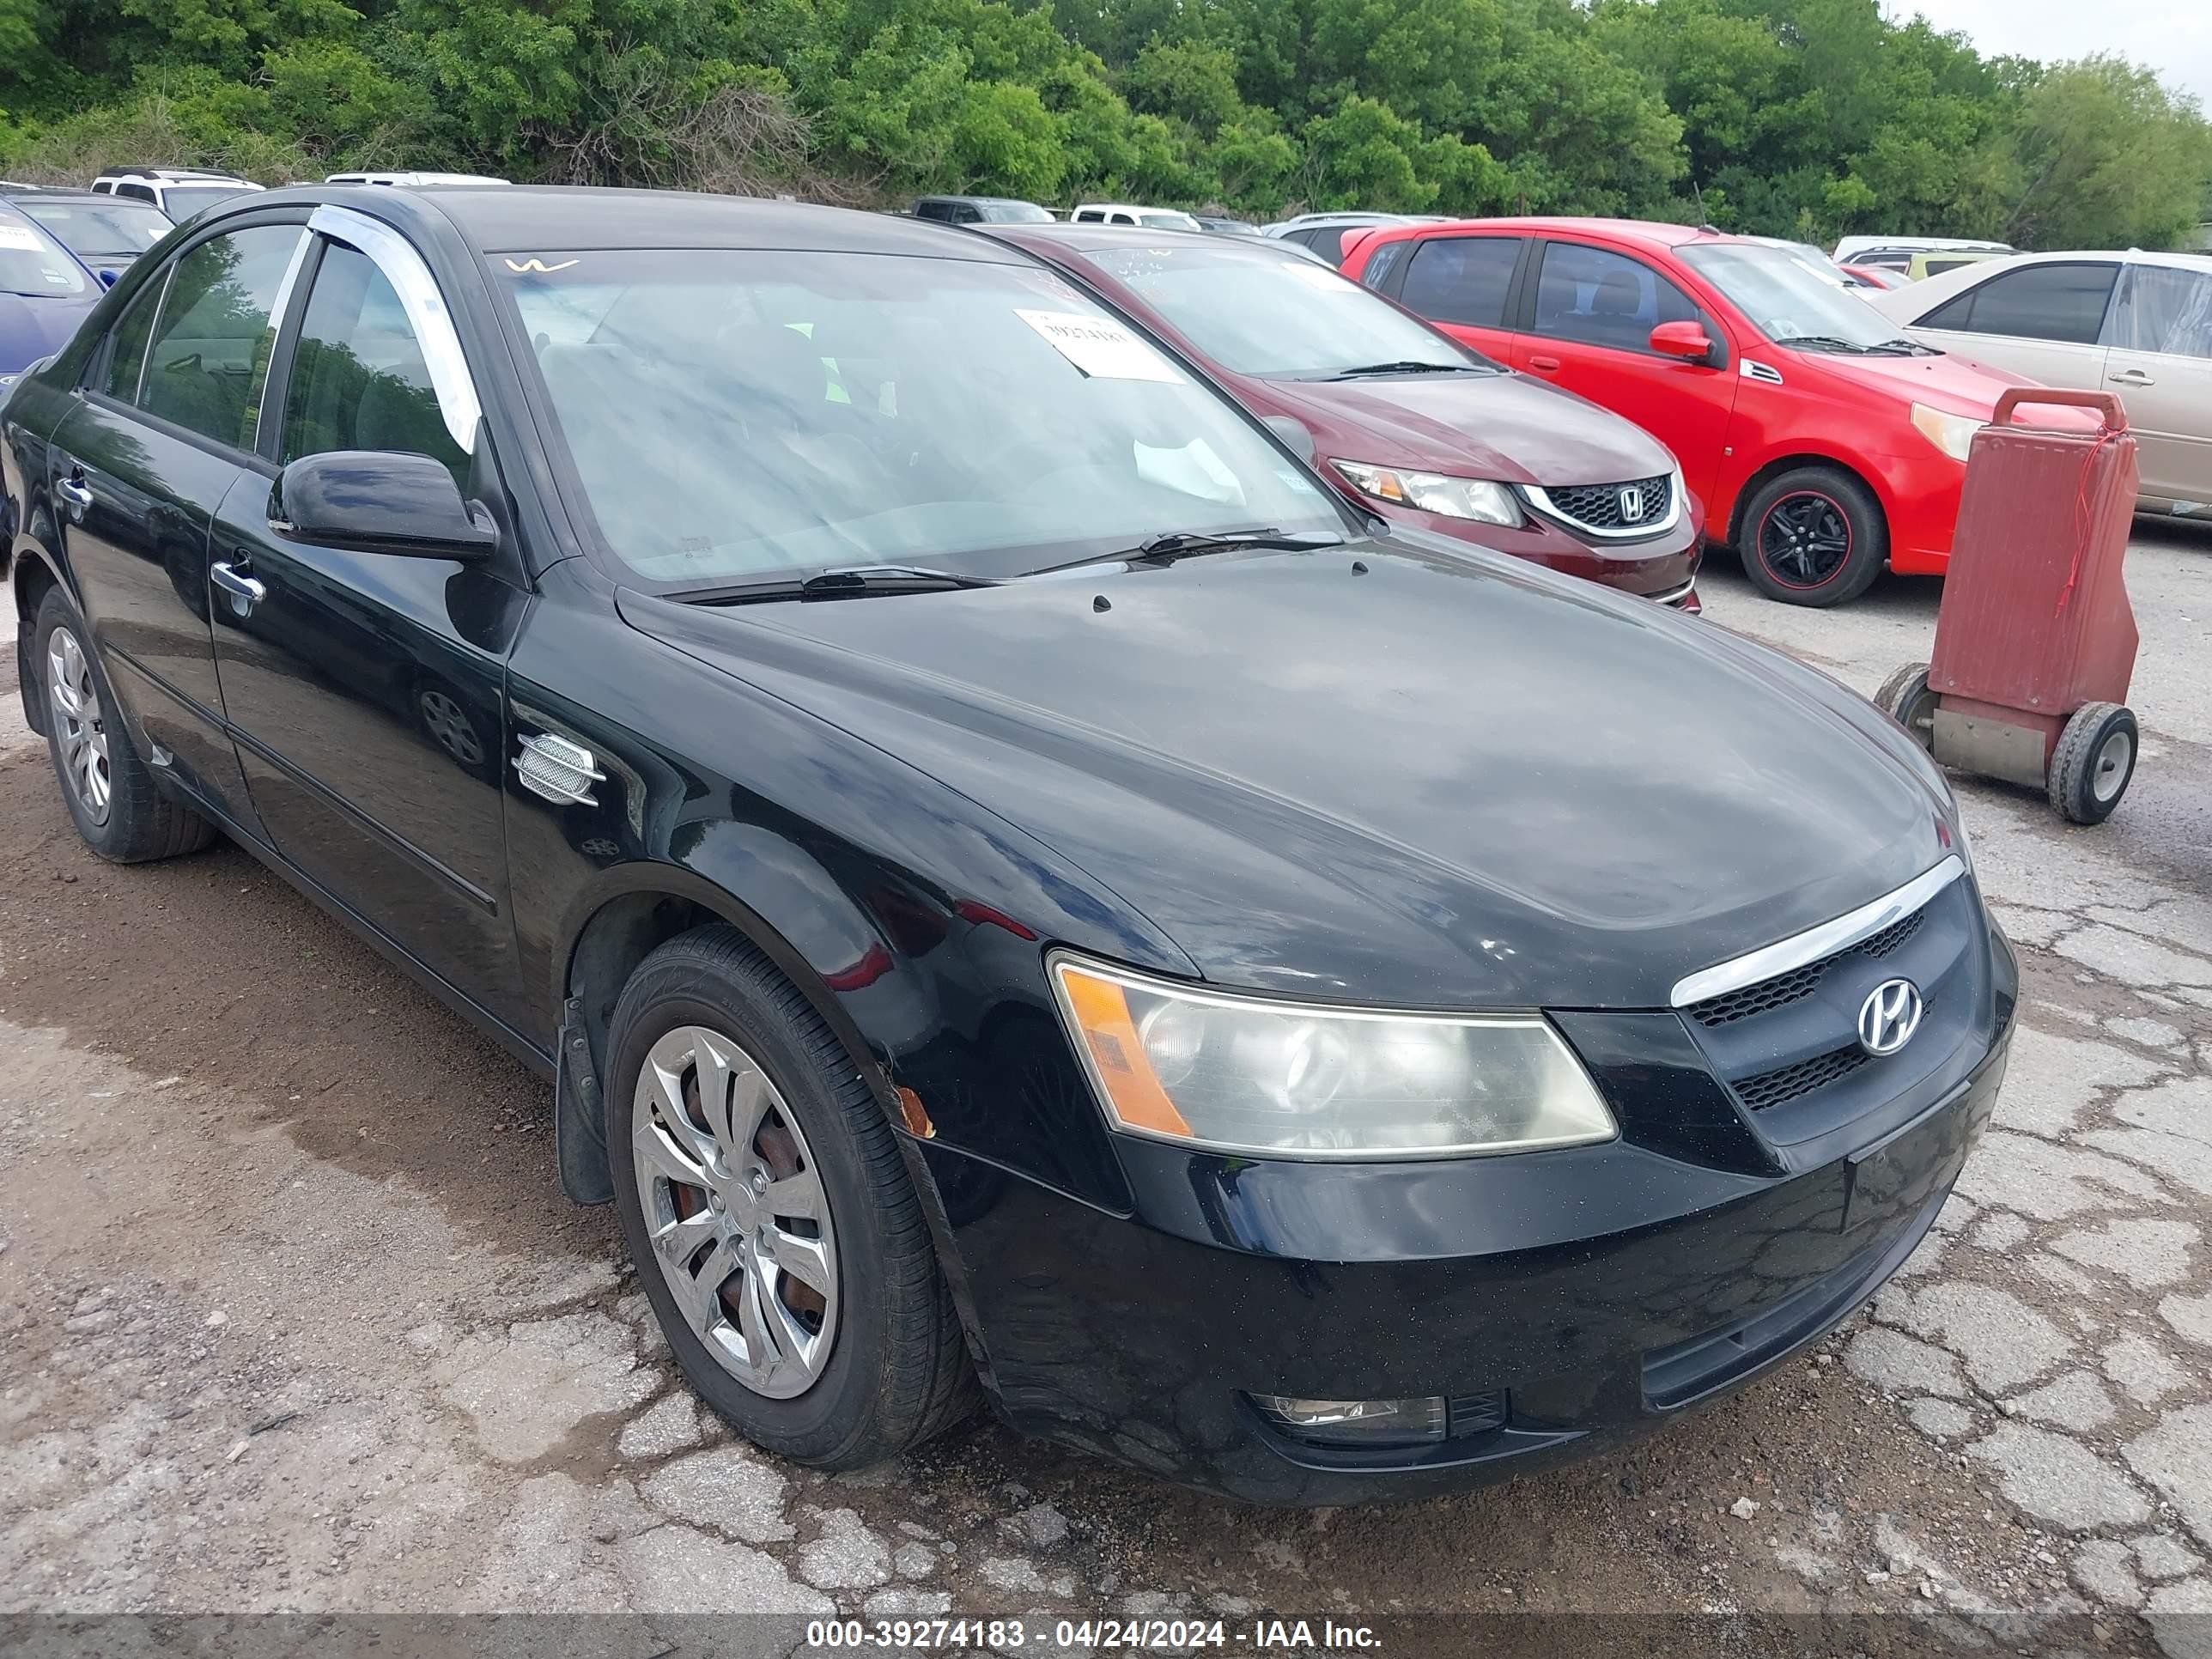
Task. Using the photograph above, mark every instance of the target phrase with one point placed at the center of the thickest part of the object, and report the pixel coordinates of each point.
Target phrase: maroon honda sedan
(1404, 420)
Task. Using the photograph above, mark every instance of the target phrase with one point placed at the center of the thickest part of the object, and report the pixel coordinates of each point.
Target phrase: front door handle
(245, 591)
(1544, 362)
(2131, 377)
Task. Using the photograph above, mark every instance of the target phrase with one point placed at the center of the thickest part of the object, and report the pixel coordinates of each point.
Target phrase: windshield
(32, 262)
(1015, 213)
(110, 226)
(1167, 221)
(184, 200)
(1787, 298)
(1254, 311)
(737, 416)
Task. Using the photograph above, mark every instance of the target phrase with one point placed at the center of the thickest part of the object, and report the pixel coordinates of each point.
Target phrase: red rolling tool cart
(2035, 643)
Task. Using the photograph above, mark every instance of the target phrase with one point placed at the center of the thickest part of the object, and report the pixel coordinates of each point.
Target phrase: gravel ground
(294, 1319)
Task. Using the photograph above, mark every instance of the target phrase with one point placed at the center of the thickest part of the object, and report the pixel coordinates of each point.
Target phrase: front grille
(1603, 507)
(1732, 1005)
(1893, 935)
(1787, 1083)
(1799, 982)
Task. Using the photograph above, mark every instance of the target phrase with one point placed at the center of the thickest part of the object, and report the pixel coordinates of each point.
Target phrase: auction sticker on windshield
(17, 236)
(1103, 350)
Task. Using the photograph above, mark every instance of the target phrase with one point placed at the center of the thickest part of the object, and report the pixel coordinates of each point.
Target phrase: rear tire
(1905, 698)
(828, 1338)
(2094, 761)
(118, 809)
(1814, 535)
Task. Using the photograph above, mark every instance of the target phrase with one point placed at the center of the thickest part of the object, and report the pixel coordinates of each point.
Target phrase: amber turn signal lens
(1101, 1014)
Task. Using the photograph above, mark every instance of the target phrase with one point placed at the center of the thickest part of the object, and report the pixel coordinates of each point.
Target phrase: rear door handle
(76, 493)
(245, 591)
(2131, 377)
(1543, 362)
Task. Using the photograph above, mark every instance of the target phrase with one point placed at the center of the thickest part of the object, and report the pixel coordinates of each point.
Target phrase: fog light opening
(1353, 1423)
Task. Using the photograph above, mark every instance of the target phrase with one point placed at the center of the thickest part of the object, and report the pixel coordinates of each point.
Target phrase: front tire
(774, 1226)
(118, 810)
(1814, 535)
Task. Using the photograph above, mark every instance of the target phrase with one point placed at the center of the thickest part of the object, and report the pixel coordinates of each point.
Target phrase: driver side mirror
(1294, 433)
(1686, 340)
(369, 500)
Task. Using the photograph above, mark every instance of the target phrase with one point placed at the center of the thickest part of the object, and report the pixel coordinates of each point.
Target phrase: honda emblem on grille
(1889, 1016)
(1632, 504)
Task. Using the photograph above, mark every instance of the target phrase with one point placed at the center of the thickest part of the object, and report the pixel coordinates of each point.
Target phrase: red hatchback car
(1823, 444)
(1402, 420)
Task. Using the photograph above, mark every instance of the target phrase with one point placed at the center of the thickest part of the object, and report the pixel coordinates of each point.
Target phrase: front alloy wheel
(735, 1209)
(80, 730)
(1804, 540)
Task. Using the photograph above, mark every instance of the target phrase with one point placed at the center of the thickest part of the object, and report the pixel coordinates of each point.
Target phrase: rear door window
(211, 350)
(1462, 279)
(2166, 309)
(2065, 302)
(1598, 297)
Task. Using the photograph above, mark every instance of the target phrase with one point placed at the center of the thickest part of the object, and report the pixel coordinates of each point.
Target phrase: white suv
(178, 191)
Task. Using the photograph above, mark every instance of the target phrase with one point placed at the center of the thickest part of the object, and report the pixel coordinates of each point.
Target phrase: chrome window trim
(1541, 499)
(427, 312)
(1816, 943)
(277, 313)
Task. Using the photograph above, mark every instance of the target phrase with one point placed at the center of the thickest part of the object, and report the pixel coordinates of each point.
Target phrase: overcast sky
(2175, 37)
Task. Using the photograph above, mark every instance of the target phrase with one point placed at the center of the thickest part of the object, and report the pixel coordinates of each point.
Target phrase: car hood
(1959, 385)
(1438, 782)
(35, 326)
(1505, 427)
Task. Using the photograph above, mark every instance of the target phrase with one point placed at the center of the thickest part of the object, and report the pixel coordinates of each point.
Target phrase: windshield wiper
(1409, 366)
(1170, 546)
(1823, 343)
(848, 582)
(1900, 347)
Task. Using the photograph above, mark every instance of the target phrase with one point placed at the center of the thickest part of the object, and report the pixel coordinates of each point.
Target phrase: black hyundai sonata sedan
(1014, 884)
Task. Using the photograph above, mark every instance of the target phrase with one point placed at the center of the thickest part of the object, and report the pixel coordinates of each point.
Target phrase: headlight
(1951, 433)
(1242, 1074)
(1432, 492)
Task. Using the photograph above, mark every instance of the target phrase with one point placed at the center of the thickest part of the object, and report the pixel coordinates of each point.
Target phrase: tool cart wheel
(1905, 698)
(2094, 761)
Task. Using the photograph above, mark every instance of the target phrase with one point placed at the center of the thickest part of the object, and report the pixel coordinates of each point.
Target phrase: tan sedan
(2136, 324)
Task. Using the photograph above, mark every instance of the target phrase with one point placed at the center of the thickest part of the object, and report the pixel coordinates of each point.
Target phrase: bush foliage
(1796, 118)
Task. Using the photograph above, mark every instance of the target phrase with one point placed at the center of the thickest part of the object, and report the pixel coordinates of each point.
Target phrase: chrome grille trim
(1540, 498)
(1816, 943)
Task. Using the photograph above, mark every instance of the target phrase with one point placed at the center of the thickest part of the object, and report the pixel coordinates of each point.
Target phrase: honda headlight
(1433, 492)
(1951, 433)
(1243, 1074)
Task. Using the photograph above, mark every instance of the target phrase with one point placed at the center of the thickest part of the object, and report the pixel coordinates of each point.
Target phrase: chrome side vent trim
(558, 770)
(1754, 370)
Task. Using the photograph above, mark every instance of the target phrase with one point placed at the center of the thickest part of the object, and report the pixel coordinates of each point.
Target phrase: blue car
(45, 293)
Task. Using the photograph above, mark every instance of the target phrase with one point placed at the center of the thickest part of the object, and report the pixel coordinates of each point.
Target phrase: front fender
(913, 918)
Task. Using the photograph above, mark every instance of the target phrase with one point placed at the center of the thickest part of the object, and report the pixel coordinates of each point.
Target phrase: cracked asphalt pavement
(293, 1318)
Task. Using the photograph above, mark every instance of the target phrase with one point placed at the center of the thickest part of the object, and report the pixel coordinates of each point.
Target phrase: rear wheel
(1814, 535)
(1905, 698)
(777, 1235)
(2094, 761)
(119, 811)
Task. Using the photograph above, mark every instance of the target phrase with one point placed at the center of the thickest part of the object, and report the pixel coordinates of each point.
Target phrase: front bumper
(1604, 1289)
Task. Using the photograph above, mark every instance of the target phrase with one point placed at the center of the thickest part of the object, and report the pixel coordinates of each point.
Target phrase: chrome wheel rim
(2110, 774)
(443, 719)
(80, 731)
(735, 1213)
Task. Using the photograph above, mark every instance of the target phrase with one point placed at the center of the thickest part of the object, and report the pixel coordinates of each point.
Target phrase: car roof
(1085, 238)
(1649, 233)
(169, 175)
(64, 193)
(547, 218)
